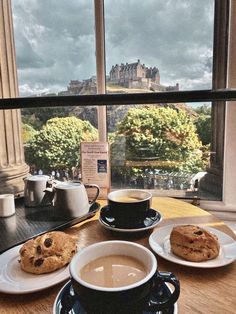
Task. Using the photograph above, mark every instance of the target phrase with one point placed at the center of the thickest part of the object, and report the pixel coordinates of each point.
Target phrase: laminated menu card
(95, 165)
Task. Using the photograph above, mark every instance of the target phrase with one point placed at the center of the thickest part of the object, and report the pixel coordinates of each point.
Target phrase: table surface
(202, 290)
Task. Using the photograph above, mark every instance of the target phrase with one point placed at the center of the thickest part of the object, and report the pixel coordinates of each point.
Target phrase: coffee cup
(71, 198)
(129, 206)
(34, 191)
(112, 275)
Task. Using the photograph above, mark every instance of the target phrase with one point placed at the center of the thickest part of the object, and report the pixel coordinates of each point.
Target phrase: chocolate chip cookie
(47, 252)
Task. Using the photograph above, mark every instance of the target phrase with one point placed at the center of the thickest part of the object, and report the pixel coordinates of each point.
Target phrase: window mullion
(100, 65)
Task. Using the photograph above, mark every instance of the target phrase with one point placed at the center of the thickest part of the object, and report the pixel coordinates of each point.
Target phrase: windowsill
(219, 209)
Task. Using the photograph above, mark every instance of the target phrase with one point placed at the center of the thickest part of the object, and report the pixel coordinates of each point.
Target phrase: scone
(47, 252)
(194, 243)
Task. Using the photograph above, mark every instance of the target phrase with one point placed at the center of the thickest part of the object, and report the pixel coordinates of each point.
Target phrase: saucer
(67, 302)
(152, 218)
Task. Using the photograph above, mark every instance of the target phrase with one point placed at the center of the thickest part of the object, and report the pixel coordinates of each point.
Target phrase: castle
(129, 75)
(137, 75)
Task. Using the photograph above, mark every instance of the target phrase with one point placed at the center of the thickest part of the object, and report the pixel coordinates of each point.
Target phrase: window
(178, 56)
(188, 94)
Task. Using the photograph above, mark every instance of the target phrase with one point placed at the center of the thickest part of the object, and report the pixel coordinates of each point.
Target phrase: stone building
(137, 75)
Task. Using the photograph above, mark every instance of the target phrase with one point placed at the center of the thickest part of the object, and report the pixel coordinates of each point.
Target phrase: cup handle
(159, 279)
(87, 186)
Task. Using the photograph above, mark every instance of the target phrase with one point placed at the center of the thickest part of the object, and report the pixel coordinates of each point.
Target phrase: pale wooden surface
(202, 290)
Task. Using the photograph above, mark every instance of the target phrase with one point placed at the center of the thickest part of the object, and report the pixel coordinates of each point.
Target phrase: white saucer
(13, 280)
(160, 243)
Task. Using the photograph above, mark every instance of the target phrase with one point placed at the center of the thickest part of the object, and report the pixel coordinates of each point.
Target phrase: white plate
(160, 243)
(15, 281)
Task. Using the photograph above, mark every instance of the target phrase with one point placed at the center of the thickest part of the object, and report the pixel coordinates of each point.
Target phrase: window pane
(55, 44)
(162, 148)
(52, 138)
(159, 45)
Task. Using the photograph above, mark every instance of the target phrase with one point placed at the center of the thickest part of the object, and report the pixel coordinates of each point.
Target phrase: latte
(113, 271)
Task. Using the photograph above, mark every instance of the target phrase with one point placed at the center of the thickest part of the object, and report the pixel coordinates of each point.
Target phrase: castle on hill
(130, 75)
(137, 75)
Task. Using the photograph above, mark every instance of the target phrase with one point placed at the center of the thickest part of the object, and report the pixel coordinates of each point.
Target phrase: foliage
(204, 109)
(203, 125)
(161, 134)
(57, 144)
(37, 117)
(28, 132)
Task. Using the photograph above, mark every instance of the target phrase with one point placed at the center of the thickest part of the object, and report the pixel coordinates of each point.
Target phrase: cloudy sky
(55, 40)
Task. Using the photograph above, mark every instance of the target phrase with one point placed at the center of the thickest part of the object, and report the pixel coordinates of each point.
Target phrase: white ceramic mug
(71, 198)
(34, 191)
(7, 205)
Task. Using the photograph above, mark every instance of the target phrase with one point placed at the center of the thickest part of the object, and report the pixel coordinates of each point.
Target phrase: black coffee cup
(129, 206)
(133, 297)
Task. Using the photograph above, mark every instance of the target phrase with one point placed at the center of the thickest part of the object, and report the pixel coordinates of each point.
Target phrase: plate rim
(69, 281)
(12, 253)
(129, 230)
(179, 260)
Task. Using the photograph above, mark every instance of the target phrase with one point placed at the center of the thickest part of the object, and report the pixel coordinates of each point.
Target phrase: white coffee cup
(7, 205)
(71, 198)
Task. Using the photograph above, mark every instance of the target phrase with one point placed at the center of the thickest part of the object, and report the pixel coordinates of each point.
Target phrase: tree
(57, 144)
(203, 123)
(162, 134)
(28, 132)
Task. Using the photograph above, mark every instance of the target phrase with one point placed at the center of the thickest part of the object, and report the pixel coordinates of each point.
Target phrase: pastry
(47, 252)
(194, 243)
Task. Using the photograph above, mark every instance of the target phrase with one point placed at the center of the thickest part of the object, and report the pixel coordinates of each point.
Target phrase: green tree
(37, 117)
(203, 126)
(28, 132)
(203, 123)
(57, 144)
(204, 109)
(162, 134)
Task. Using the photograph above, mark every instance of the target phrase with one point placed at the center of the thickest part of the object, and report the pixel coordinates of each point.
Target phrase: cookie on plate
(194, 243)
(47, 252)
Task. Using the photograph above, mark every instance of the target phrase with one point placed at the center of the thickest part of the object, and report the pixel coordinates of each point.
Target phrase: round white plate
(15, 281)
(160, 243)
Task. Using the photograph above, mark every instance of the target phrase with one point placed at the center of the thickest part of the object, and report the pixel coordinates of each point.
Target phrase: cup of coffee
(129, 206)
(71, 198)
(34, 191)
(112, 275)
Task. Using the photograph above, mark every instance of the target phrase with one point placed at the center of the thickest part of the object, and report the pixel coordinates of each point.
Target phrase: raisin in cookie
(47, 252)
(194, 243)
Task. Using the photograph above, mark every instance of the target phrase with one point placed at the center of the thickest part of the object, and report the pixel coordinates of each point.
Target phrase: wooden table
(202, 290)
